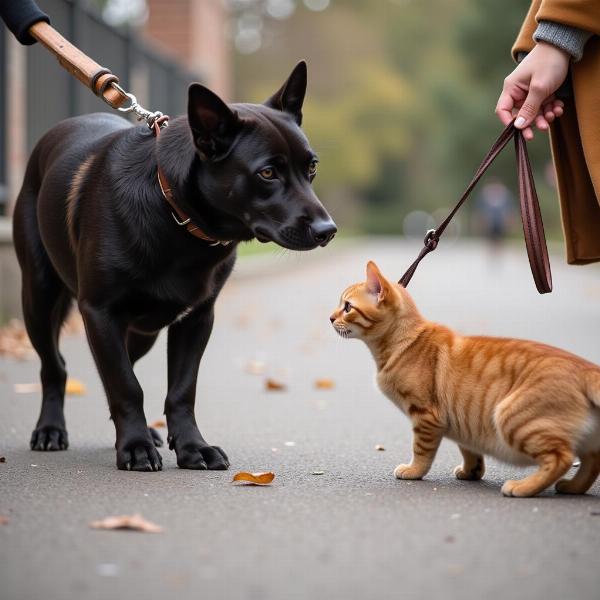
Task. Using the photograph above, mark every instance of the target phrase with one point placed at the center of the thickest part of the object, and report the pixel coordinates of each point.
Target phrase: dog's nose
(323, 231)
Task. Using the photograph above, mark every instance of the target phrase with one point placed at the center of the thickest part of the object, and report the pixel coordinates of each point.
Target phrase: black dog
(92, 222)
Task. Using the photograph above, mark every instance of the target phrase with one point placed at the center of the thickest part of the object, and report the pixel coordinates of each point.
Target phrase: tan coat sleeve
(583, 14)
(524, 41)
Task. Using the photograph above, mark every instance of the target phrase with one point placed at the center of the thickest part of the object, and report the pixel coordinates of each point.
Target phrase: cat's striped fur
(519, 401)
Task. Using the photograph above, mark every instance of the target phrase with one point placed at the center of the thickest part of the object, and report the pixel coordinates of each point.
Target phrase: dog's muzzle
(301, 237)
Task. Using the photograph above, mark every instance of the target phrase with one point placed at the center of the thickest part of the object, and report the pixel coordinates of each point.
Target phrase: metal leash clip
(141, 113)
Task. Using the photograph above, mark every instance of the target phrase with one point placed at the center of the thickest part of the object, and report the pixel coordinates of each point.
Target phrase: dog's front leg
(186, 343)
(107, 337)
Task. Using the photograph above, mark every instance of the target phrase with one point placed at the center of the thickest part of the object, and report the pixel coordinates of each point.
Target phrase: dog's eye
(312, 168)
(347, 307)
(267, 173)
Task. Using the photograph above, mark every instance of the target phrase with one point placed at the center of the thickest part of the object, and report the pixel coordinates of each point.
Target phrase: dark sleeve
(19, 16)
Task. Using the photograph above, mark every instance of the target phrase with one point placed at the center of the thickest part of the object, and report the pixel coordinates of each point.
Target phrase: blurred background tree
(401, 96)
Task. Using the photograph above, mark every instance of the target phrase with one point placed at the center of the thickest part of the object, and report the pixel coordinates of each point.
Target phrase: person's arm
(563, 28)
(19, 16)
(567, 38)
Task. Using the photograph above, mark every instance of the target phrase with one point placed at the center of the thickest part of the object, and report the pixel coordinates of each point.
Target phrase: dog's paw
(49, 438)
(407, 472)
(156, 437)
(200, 457)
(138, 455)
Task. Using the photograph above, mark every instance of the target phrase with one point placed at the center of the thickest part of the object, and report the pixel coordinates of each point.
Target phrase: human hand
(529, 90)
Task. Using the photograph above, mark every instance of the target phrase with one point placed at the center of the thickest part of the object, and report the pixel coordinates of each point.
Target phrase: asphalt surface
(353, 532)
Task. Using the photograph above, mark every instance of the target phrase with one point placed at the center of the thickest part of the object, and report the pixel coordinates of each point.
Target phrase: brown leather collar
(179, 216)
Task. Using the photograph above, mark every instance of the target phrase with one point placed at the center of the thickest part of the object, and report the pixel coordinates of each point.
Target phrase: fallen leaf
(14, 341)
(3, 520)
(158, 424)
(2, 459)
(324, 384)
(380, 448)
(254, 478)
(274, 385)
(27, 388)
(255, 367)
(74, 387)
(132, 522)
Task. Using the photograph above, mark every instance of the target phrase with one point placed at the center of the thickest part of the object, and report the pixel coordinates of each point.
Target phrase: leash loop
(533, 227)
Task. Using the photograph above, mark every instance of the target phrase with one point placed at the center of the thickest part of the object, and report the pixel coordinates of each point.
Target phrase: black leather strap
(533, 228)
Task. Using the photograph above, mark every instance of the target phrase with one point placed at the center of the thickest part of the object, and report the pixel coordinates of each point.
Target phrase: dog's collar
(180, 217)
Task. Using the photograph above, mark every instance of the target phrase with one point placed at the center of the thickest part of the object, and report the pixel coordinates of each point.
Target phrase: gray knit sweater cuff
(569, 39)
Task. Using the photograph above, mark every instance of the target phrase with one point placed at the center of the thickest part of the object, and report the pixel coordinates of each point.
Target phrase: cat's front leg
(427, 435)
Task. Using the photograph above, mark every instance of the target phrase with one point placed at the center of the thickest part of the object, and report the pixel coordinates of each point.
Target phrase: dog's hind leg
(138, 345)
(46, 303)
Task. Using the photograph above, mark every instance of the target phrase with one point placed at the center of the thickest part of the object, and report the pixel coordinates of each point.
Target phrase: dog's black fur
(91, 223)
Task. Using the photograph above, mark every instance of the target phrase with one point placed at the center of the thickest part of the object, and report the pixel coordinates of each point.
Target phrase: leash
(533, 228)
(106, 86)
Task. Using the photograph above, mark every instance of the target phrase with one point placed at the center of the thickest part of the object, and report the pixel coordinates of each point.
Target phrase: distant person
(558, 50)
(494, 212)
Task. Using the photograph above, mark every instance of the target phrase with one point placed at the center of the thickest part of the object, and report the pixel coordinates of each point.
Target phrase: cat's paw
(473, 474)
(407, 472)
(517, 489)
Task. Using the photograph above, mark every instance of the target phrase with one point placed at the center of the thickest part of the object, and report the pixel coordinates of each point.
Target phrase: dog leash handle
(99, 79)
(533, 227)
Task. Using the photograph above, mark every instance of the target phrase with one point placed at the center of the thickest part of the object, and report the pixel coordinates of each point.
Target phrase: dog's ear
(290, 96)
(214, 125)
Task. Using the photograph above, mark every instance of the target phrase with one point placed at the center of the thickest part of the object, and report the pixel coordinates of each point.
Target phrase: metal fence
(159, 82)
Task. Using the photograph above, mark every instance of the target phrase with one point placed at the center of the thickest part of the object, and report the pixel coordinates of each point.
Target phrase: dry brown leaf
(275, 386)
(160, 424)
(324, 384)
(3, 520)
(14, 341)
(2, 459)
(254, 478)
(380, 448)
(132, 522)
(27, 388)
(75, 387)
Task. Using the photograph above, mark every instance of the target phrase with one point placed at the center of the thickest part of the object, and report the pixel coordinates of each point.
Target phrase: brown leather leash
(99, 79)
(533, 228)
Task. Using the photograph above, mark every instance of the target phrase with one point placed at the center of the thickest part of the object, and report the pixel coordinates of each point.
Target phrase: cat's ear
(214, 125)
(377, 285)
(290, 96)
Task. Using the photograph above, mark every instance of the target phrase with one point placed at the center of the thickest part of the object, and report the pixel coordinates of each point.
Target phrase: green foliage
(401, 100)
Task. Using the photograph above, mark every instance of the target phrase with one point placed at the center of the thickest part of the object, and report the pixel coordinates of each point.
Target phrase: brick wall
(194, 31)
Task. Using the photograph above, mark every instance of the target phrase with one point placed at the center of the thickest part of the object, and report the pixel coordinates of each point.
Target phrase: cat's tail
(592, 384)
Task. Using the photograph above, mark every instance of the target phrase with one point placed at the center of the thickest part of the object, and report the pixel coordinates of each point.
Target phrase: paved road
(353, 532)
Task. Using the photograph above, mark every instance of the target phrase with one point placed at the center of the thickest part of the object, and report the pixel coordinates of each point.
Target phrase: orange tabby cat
(519, 401)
